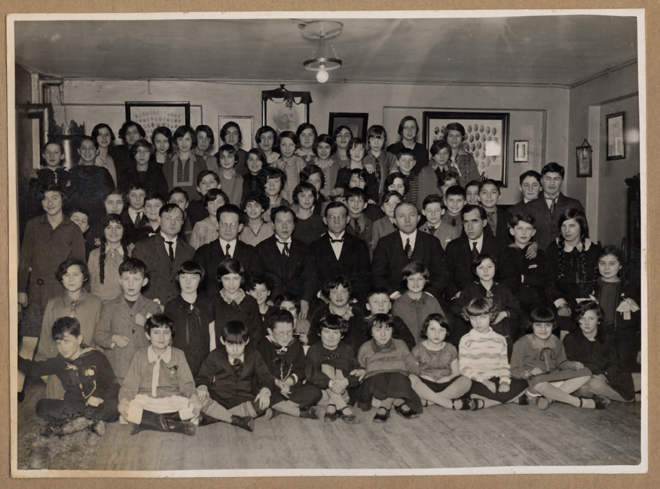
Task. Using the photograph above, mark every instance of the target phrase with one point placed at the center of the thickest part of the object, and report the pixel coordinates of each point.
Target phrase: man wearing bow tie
(340, 253)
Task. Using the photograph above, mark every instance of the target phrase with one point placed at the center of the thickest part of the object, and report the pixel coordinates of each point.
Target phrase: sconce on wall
(325, 57)
(583, 157)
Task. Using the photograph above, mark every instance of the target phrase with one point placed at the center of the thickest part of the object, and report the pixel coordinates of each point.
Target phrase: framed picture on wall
(355, 121)
(583, 159)
(520, 151)
(284, 110)
(246, 125)
(616, 144)
(151, 115)
(486, 138)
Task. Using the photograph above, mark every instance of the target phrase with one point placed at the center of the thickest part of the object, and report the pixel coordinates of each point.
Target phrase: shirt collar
(479, 241)
(152, 357)
(224, 243)
(341, 235)
(165, 238)
(68, 300)
(587, 244)
(412, 237)
(278, 240)
(232, 360)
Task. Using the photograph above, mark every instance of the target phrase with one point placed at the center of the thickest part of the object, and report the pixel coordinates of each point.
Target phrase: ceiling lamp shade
(325, 57)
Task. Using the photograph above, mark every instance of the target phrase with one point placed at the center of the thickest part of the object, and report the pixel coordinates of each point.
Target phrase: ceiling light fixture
(324, 59)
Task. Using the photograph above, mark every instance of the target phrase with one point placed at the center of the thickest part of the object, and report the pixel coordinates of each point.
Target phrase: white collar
(232, 360)
(412, 236)
(152, 357)
(568, 248)
(165, 238)
(479, 241)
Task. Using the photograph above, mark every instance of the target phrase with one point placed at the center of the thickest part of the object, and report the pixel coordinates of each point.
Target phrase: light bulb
(322, 76)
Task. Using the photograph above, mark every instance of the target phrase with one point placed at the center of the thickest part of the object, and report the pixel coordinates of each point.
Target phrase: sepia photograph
(352, 276)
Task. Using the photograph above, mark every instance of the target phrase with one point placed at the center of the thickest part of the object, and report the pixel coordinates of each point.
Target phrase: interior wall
(222, 99)
(24, 125)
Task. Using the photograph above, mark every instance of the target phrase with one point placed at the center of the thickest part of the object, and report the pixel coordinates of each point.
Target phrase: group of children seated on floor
(450, 333)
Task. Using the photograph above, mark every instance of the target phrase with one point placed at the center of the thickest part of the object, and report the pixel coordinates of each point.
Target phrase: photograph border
(525, 148)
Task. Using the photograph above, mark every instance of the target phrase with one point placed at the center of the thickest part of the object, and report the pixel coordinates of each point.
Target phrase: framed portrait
(583, 159)
(151, 115)
(616, 144)
(520, 151)
(356, 121)
(486, 138)
(281, 117)
(246, 125)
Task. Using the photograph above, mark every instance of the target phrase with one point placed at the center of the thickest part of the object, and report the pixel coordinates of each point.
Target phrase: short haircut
(553, 167)
(455, 190)
(181, 131)
(226, 127)
(304, 187)
(377, 290)
(453, 126)
(56, 142)
(229, 149)
(288, 134)
(433, 199)
(389, 194)
(178, 190)
(167, 208)
(521, 217)
(114, 191)
(259, 154)
(287, 297)
(228, 266)
(354, 142)
(213, 194)
(282, 209)
(109, 218)
(64, 266)
(438, 318)
(191, 267)
(382, 321)
(159, 321)
(63, 326)
(258, 198)
(439, 146)
(579, 217)
(472, 183)
(413, 268)
(53, 188)
(270, 172)
(263, 130)
(405, 152)
(402, 203)
(235, 332)
(339, 129)
(376, 131)
(97, 129)
(324, 138)
(334, 282)
(616, 252)
(306, 125)
(478, 260)
(133, 265)
(208, 131)
(124, 127)
(393, 176)
(135, 185)
(530, 173)
(488, 181)
(206, 173)
(333, 322)
(280, 316)
(334, 205)
(165, 131)
(450, 174)
(470, 207)
(479, 306)
(403, 122)
(356, 192)
(310, 170)
(87, 138)
(141, 143)
(79, 210)
(586, 306)
(256, 278)
(542, 315)
(155, 196)
(231, 209)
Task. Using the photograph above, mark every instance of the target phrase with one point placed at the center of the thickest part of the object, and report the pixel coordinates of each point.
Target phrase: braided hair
(105, 222)
(581, 219)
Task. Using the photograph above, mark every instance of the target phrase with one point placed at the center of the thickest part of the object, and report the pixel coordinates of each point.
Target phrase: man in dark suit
(230, 223)
(394, 251)
(340, 253)
(461, 251)
(551, 204)
(284, 260)
(163, 253)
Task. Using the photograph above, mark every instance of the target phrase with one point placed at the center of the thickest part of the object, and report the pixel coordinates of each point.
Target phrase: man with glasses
(340, 253)
(230, 223)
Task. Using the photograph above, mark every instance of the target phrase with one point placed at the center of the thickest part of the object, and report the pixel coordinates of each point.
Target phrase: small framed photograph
(355, 121)
(151, 115)
(246, 125)
(616, 144)
(583, 159)
(520, 151)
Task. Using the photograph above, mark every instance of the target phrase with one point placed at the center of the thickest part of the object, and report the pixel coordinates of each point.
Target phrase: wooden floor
(503, 436)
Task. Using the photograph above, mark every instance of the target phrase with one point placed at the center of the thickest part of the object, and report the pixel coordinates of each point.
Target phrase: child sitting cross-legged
(90, 386)
(386, 380)
(540, 359)
(331, 365)
(158, 392)
(234, 383)
(433, 367)
(482, 357)
(285, 358)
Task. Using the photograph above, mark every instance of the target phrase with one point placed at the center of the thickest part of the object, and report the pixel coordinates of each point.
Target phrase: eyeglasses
(230, 225)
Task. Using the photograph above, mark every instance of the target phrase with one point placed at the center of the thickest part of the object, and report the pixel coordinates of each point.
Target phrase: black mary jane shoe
(382, 418)
(409, 414)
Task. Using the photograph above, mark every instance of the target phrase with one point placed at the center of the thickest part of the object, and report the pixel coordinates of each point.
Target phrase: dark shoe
(409, 414)
(330, 417)
(150, 421)
(184, 427)
(601, 402)
(245, 422)
(382, 418)
(271, 413)
(349, 418)
(309, 413)
(523, 400)
(99, 428)
(205, 419)
(465, 404)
